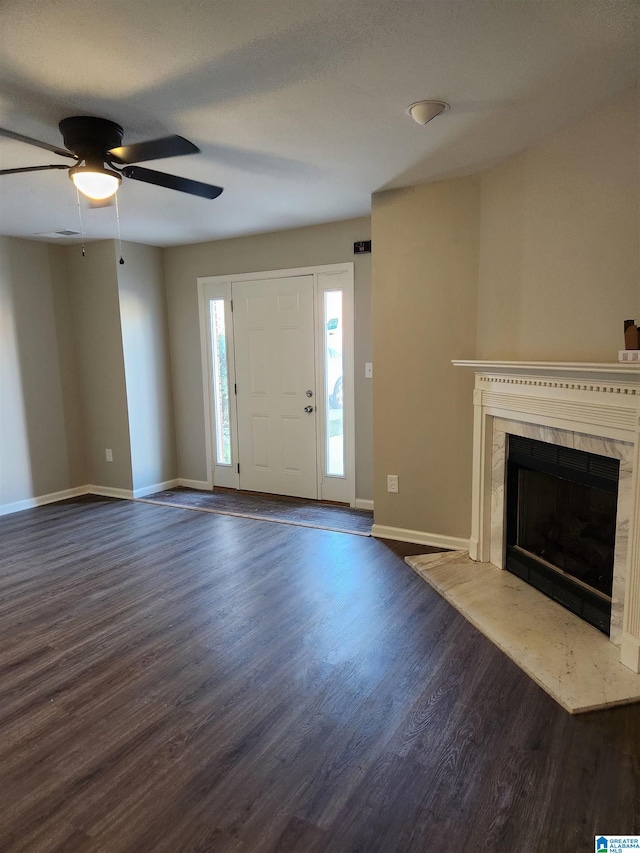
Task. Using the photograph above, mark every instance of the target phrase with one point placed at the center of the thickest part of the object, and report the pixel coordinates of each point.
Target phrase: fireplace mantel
(566, 402)
(613, 369)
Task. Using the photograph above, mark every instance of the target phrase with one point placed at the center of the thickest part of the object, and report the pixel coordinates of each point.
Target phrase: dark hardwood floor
(182, 681)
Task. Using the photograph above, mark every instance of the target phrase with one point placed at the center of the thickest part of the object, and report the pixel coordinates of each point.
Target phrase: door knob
(308, 409)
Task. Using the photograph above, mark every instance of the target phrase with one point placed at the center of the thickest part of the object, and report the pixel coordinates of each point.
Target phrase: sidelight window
(334, 383)
(220, 364)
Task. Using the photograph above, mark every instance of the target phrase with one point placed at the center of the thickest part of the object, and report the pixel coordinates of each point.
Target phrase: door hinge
(231, 301)
(238, 467)
(235, 388)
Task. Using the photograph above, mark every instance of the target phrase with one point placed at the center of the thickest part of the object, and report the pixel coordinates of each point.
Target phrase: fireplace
(561, 524)
(589, 408)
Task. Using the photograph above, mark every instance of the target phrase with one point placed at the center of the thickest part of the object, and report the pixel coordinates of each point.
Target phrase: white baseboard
(363, 503)
(203, 485)
(110, 492)
(158, 487)
(41, 500)
(103, 491)
(420, 537)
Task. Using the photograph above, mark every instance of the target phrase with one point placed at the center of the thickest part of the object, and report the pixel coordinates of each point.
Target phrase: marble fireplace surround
(590, 407)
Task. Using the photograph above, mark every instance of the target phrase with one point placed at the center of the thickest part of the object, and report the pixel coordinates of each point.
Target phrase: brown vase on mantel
(631, 335)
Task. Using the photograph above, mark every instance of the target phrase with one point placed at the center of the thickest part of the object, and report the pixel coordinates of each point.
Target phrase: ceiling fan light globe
(96, 184)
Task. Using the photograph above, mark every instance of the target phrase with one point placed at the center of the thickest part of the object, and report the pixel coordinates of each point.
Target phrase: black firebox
(561, 524)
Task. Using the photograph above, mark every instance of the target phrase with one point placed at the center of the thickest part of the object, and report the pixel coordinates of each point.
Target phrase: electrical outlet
(108, 454)
(392, 483)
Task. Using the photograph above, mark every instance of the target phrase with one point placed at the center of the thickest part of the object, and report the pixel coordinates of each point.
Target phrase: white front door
(275, 368)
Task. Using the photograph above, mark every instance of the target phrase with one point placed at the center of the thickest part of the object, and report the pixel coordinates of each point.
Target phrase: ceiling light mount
(423, 111)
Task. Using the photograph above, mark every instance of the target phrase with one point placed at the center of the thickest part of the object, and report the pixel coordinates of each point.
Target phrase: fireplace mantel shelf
(621, 370)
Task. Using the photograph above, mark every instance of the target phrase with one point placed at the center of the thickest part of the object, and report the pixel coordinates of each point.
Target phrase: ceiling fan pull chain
(80, 218)
(119, 237)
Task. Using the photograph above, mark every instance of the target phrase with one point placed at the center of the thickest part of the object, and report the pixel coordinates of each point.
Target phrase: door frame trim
(348, 347)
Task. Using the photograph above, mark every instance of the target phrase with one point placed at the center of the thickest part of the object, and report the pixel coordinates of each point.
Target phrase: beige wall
(302, 247)
(559, 265)
(556, 230)
(41, 448)
(95, 311)
(85, 366)
(143, 315)
(425, 271)
(69, 367)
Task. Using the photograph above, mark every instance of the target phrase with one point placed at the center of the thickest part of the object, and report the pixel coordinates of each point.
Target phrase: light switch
(368, 370)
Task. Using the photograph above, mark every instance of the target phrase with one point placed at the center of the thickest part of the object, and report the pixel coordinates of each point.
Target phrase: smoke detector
(423, 111)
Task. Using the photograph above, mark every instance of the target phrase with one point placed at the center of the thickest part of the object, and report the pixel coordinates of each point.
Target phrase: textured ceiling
(298, 106)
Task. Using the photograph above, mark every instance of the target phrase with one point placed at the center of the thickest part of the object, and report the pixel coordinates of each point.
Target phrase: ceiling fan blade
(154, 149)
(31, 169)
(54, 148)
(172, 182)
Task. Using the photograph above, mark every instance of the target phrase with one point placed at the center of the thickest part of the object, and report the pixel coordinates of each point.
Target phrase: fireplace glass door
(561, 524)
(569, 525)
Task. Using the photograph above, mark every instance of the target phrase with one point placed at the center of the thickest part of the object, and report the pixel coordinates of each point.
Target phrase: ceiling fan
(95, 145)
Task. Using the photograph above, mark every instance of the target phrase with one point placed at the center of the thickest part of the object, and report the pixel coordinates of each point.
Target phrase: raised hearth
(573, 662)
(587, 408)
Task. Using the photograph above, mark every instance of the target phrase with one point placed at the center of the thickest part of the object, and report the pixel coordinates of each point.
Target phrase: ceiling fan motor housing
(90, 138)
